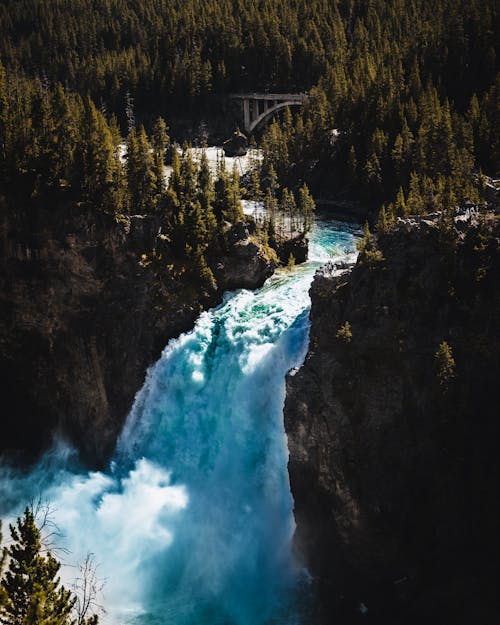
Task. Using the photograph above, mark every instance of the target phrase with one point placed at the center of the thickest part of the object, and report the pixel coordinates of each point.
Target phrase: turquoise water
(192, 523)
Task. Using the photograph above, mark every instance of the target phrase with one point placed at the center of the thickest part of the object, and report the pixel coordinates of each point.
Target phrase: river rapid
(192, 523)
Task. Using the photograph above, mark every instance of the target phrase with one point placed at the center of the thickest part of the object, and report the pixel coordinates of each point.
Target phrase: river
(192, 522)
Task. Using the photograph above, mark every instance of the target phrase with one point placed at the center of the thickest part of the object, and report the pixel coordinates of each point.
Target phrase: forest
(411, 89)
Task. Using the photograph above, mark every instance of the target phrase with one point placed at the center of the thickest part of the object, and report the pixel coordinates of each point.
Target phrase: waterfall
(192, 522)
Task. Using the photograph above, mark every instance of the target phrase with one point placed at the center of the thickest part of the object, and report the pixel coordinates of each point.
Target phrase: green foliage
(306, 207)
(411, 88)
(100, 176)
(344, 333)
(32, 590)
(160, 143)
(368, 252)
(204, 275)
(292, 215)
(227, 203)
(445, 365)
(386, 220)
(60, 149)
(409, 127)
(255, 188)
(142, 169)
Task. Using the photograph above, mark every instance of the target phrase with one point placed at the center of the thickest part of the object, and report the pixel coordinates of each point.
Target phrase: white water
(214, 154)
(192, 523)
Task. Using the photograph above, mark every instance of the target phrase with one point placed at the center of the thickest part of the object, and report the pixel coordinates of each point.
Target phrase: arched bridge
(259, 106)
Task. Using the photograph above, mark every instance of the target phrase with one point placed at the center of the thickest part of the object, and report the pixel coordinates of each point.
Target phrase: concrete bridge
(257, 107)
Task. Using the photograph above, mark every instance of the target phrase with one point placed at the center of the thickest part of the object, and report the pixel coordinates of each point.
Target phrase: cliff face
(393, 450)
(85, 308)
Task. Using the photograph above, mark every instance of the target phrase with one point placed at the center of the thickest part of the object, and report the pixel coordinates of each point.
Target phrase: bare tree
(50, 534)
(87, 589)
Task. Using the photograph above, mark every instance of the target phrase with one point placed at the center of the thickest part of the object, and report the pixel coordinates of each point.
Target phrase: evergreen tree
(415, 204)
(206, 197)
(188, 176)
(97, 164)
(159, 142)
(141, 177)
(227, 203)
(234, 211)
(195, 228)
(306, 207)
(385, 221)
(255, 188)
(289, 208)
(176, 182)
(32, 589)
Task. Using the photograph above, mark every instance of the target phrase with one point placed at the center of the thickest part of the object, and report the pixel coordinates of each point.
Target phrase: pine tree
(227, 203)
(206, 197)
(32, 589)
(306, 207)
(203, 274)
(368, 253)
(63, 140)
(159, 142)
(272, 181)
(255, 189)
(385, 221)
(289, 208)
(234, 210)
(195, 230)
(141, 179)
(188, 176)
(176, 182)
(400, 208)
(96, 162)
(366, 241)
(415, 204)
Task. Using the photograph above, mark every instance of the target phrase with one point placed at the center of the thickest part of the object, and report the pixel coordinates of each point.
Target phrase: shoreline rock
(86, 308)
(393, 472)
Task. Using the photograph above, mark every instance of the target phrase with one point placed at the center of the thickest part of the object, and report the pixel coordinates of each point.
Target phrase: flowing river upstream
(192, 522)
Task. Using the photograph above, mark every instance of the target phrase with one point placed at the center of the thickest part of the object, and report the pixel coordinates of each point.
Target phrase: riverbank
(392, 428)
(88, 302)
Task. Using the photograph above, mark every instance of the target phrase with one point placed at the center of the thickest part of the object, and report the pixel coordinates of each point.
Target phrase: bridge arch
(257, 107)
(269, 113)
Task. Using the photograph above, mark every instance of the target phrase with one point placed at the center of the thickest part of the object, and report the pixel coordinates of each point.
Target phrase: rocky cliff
(393, 429)
(87, 303)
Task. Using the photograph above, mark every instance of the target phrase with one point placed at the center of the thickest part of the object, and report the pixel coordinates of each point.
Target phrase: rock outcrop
(87, 304)
(393, 430)
(247, 263)
(296, 246)
(236, 145)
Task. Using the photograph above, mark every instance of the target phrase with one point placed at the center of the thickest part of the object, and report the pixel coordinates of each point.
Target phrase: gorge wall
(87, 305)
(393, 450)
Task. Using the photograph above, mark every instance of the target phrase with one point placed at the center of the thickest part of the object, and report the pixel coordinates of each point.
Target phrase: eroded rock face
(296, 246)
(247, 263)
(394, 475)
(85, 309)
